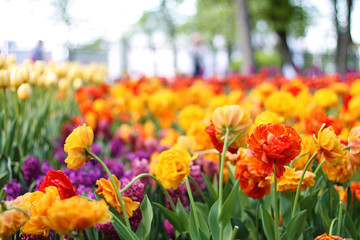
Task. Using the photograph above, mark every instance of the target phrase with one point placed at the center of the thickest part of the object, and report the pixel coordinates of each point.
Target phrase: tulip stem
(236, 228)
(300, 182)
(340, 218)
(192, 203)
(157, 181)
(332, 226)
(114, 185)
(319, 166)
(346, 148)
(300, 156)
(276, 206)
(221, 175)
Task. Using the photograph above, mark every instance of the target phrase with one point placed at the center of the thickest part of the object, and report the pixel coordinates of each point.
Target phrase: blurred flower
(39, 204)
(289, 181)
(136, 192)
(108, 229)
(340, 173)
(355, 189)
(116, 147)
(13, 189)
(86, 191)
(354, 144)
(76, 145)
(274, 144)
(24, 91)
(340, 191)
(252, 176)
(330, 146)
(233, 118)
(107, 191)
(325, 98)
(172, 167)
(282, 103)
(96, 149)
(186, 142)
(115, 167)
(59, 180)
(189, 115)
(202, 139)
(139, 166)
(76, 213)
(325, 236)
(169, 228)
(31, 168)
(307, 145)
(266, 117)
(339, 88)
(11, 220)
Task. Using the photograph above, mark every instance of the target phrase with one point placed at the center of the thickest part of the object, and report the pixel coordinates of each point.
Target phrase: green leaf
(15, 154)
(40, 122)
(309, 202)
(321, 211)
(296, 226)
(173, 218)
(203, 209)
(10, 138)
(123, 231)
(193, 230)
(229, 205)
(213, 223)
(182, 212)
(268, 224)
(210, 188)
(350, 226)
(144, 228)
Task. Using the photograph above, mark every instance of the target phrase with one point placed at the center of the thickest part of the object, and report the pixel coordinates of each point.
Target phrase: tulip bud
(15, 78)
(4, 78)
(24, 91)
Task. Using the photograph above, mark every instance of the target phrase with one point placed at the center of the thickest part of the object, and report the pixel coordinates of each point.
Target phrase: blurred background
(191, 37)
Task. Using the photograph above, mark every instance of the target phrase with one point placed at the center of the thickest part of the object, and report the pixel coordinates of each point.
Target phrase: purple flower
(115, 167)
(195, 173)
(31, 168)
(108, 229)
(25, 236)
(86, 191)
(128, 174)
(103, 129)
(116, 147)
(135, 219)
(169, 228)
(45, 167)
(141, 165)
(60, 155)
(136, 192)
(179, 193)
(86, 175)
(13, 189)
(96, 149)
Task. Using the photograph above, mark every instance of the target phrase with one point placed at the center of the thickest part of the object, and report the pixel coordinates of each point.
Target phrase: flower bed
(245, 157)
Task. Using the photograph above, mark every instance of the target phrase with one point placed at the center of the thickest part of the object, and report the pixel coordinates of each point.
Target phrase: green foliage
(280, 16)
(268, 59)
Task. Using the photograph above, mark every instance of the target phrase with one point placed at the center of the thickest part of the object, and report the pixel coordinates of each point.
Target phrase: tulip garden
(241, 157)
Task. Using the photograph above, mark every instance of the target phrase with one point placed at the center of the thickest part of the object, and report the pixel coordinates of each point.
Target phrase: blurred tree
(244, 32)
(342, 19)
(163, 18)
(283, 17)
(215, 17)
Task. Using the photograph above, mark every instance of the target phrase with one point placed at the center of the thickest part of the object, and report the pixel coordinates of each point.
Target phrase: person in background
(197, 52)
(38, 52)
